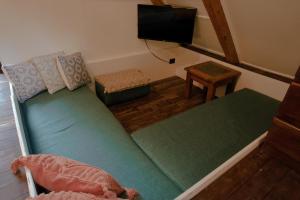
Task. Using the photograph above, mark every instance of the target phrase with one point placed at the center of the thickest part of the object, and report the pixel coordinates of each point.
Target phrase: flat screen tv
(166, 23)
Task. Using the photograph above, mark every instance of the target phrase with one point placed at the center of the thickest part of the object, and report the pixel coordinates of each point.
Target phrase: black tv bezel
(167, 40)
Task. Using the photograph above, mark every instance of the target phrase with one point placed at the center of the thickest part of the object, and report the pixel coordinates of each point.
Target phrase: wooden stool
(211, 75)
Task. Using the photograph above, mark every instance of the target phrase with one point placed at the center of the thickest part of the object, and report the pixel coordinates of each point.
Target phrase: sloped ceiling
(266, 33)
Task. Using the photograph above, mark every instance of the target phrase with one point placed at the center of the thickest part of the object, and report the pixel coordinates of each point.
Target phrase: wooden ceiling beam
(217, 16)
(158, 2)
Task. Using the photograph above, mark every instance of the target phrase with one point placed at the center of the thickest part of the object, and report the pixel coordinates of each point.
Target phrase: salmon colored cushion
(57, 173)
(68, 195)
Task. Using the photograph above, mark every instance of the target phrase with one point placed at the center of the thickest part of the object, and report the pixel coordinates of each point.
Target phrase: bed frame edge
(23, 144)
(211, 177)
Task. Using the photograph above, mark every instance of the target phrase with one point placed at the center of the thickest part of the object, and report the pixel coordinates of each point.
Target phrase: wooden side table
(211, 75)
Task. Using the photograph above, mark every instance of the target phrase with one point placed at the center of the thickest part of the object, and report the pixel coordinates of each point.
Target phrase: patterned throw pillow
(26, 80)
(73, 70)
(47, 67)
(57, 173)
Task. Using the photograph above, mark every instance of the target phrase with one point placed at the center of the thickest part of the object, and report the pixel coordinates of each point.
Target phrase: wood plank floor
(261, 175)
(166, 99)
(11, 187)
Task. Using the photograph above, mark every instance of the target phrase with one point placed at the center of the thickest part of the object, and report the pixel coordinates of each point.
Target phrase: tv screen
(166, 23)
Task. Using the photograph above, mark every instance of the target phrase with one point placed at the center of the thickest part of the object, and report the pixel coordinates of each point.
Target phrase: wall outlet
(172, 61)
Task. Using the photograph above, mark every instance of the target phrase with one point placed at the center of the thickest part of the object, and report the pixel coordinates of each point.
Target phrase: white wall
(265, 33)
(105, 31)
(185, 58)
(144, 61)
(101, 29)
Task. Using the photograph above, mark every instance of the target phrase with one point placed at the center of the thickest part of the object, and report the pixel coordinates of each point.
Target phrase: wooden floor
(11, 188)
(259, 176)
(166, 99)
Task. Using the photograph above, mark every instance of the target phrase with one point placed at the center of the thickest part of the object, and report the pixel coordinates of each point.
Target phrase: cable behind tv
(155, 55)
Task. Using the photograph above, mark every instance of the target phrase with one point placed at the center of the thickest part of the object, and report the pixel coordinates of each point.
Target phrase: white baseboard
(244, 62)
(209, 50)
(268, 70)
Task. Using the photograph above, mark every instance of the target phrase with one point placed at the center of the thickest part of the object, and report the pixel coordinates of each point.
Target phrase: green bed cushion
(23, 128)
(77, 125)
(189, 146)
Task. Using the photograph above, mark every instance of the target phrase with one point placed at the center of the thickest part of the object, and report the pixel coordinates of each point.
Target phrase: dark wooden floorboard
(262, 182)
(165, 100)
(287, 189)
(258, 176)
(11, 187)
(229, 182)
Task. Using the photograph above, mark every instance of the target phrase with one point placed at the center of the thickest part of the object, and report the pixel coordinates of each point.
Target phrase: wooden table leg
(188, 85)
(231, 86)
(205, 89)
(210, 92)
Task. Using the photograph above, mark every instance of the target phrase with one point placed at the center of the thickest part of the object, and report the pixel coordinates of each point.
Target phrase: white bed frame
(188, 194)
(23, 143)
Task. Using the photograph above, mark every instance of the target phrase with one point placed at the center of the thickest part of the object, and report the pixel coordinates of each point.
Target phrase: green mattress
(189, 146)
(77, 125)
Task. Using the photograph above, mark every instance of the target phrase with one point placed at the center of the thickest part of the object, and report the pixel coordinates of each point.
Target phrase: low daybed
(161, 161)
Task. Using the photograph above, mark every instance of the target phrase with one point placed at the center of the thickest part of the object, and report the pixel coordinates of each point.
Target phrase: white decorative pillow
(73, 70)
(26, 80)
(47, 66)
